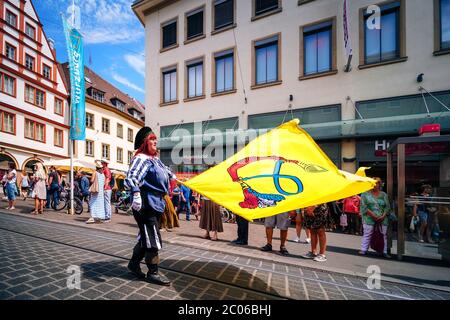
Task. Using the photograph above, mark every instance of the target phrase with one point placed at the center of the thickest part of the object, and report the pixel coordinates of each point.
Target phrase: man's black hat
(140, 137)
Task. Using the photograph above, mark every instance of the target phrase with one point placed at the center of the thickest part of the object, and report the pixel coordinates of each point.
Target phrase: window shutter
(224, 13)
(195, 25)
(262, 6)
(169, 34)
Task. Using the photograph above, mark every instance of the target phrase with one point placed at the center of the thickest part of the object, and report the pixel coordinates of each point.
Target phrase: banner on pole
(75, 50)
(347, 38)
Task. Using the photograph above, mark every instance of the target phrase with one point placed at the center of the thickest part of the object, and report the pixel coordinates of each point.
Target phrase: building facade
(112, 121)
(34, 115)
(253, 64)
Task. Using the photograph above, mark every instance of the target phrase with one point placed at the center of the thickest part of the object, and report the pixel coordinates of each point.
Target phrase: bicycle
(64, 202)
(227, 216)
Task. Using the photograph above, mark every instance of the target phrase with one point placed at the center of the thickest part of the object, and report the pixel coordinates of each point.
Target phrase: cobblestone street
(35, 256)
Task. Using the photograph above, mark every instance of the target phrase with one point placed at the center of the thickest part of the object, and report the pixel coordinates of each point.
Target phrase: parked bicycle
(64, 202)
(227, 216)
(124, 203)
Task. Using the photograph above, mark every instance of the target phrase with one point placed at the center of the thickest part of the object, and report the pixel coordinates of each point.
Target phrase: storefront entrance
(420, 191)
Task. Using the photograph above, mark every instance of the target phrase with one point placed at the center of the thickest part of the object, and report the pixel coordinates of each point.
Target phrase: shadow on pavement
(181, 274)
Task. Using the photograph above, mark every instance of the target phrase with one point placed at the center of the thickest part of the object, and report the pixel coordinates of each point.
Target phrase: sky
(114, 43)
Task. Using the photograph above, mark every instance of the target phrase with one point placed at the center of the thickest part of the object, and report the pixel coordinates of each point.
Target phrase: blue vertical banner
(75, 50)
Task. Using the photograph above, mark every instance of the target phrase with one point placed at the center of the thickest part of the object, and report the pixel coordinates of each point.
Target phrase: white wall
(379, 82)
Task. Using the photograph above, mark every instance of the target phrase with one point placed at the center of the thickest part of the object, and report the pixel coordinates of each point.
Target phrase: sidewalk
(341, 251)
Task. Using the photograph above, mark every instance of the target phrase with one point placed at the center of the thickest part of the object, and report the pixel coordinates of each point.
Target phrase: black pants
(242, 230)
(149, 242)
(354, 224)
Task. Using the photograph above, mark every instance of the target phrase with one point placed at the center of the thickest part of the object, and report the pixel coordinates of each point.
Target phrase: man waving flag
(280, 171)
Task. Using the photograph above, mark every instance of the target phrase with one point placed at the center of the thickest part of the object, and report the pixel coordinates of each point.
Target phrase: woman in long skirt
(97, 199)
(169, 219)
(39, 190)
(210, 219)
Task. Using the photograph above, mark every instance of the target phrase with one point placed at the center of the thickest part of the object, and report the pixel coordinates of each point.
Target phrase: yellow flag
(280, 171)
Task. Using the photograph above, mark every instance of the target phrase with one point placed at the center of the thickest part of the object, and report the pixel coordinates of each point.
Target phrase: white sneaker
(308, 240)
(296, 239)
(320, 258)
(12, 208)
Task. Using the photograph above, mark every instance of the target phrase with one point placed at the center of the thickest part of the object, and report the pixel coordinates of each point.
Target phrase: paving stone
(43, 291)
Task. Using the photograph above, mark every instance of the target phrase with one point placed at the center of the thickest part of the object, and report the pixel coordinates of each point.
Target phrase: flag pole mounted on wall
(347, 38)
(74, 41)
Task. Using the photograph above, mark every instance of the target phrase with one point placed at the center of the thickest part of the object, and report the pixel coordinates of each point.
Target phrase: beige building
(251, 64)
(34, 113)
(112, 121)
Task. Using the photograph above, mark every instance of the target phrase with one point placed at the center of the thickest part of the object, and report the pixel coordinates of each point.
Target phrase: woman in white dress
(97, 199)
(39, 191)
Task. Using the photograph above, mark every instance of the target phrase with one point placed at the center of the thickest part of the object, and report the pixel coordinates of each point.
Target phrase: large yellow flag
(280, 171)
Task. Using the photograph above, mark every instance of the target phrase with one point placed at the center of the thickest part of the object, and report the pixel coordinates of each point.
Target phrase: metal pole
(390, 192)
(401, 201)
(71, 176)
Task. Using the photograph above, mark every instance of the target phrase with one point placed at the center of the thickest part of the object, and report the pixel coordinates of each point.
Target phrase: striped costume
(150, 177)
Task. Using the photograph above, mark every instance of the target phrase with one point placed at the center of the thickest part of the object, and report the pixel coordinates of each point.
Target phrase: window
(130, 135)
(11, 18)
(194, 24)
(169, 34)
(105, 125)
(59, 107)
(130, 157)
(223, 13)
(383, 44)
(224, 68)
(265, 6)
(444, 19)
(120, 155)
(119, 130)
(7, 122)
(34, 96)
(89, 120)
(98, 95)
(194, 79)
(30, 31)
(47, 71)
(89, 150)
(169, 86)
(34, 130)
(119, 104)
(318, 48)
(29, 62)
(7, 84)
(105, 151)
(267, 60)
(10, 51)
(59, 138)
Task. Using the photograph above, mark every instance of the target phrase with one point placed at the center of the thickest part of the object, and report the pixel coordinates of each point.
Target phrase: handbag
(377, 240)
(94, 186)
(343, 220)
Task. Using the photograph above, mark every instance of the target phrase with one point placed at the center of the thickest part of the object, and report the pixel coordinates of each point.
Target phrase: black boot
(135, 262)
(154, 277)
